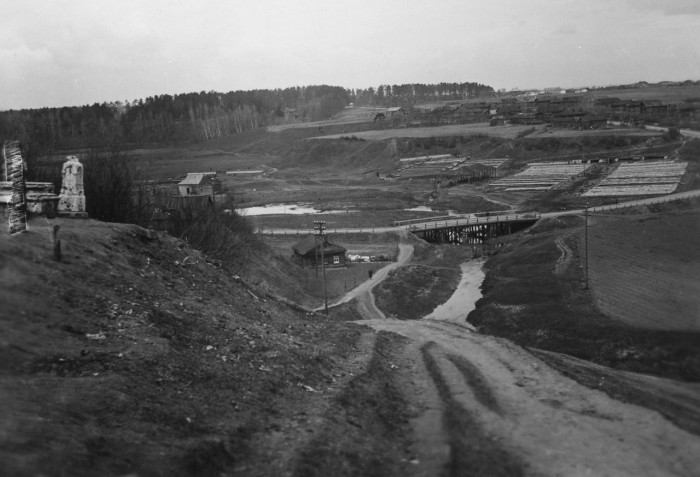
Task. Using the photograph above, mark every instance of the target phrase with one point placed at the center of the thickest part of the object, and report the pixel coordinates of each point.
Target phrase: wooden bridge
(470, 229)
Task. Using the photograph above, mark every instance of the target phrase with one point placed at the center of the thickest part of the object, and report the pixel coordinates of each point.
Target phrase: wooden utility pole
(56, 243)
(586, 246)
(320, 227)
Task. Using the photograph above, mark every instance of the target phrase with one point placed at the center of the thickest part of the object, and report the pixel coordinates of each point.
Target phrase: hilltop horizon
(351, 90)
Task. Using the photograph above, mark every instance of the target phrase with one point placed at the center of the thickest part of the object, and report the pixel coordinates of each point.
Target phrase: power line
(319, 229)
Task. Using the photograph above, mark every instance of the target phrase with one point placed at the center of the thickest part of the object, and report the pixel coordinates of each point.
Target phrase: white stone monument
(71, 201)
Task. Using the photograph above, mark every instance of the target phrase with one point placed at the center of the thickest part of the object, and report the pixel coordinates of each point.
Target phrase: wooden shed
(198, 183)
(307, 253)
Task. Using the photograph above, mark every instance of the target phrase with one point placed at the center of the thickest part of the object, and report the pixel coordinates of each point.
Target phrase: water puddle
(464, 299)
(282, 209)
(425, 208)
(420, 208)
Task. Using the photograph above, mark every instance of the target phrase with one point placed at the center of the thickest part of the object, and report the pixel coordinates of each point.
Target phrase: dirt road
(369, 308)
(600, 208)
(488, 407)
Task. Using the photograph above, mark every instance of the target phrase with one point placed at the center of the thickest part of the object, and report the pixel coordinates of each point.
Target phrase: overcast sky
(75, 52)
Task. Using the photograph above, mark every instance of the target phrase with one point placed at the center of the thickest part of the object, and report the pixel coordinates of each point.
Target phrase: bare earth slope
(137, 356)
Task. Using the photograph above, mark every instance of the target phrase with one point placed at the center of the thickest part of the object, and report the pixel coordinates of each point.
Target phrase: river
(464, 298)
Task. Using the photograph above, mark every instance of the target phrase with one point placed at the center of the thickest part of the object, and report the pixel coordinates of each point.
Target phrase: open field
(644, 270)
(347, 116)
(572, 133)
(508, 132)
(671, 94)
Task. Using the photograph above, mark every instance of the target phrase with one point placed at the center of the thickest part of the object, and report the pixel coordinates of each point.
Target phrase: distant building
(198, 183)
(307, 253)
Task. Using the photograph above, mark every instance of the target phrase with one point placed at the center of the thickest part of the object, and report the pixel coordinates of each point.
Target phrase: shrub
(114, 188)
(219, 232)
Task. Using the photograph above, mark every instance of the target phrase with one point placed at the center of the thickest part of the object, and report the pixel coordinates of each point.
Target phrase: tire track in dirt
(365, 430)
(532, 418)
(550, 423)
(563, 261)
(285, 447)
(477, 382)
(472, 451)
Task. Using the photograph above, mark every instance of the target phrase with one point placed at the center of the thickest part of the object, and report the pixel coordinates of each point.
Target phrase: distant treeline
(164, 119)
(409, 94)
(196, 117)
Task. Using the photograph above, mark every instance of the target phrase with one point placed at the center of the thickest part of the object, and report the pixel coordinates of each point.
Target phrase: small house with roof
(198, 183)
(655, 108)
(605, 104)
(307, 253)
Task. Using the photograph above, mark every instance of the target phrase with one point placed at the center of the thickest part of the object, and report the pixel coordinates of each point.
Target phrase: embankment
(532, 301)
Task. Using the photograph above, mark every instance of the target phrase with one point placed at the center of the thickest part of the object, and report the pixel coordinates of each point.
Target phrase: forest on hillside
(197, 117)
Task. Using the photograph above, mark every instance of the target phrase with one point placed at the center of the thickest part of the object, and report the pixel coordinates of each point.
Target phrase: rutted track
(485, 406)
(536, 420)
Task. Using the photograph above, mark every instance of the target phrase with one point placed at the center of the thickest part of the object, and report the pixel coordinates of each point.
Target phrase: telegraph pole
(586, 245)
(319, 228)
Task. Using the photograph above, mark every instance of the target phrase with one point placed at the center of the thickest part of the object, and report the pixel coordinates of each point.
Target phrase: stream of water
(464, 299)
(290, 209)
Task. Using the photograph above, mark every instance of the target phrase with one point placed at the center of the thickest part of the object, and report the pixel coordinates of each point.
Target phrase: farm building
(568, 119)
(605, 104)
(198, 183)
(593, 121)
(307, 253)
(473, 112)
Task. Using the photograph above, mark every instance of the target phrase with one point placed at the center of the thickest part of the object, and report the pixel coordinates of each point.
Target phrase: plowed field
(645, 271)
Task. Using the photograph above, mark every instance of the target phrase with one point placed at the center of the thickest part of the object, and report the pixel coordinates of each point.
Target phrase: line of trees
(196, 117)
(406, 95)
(167, 119)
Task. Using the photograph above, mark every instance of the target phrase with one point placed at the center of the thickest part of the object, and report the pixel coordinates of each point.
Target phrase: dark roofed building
(568, 119)
(307, 253)
(606, 101)
(655, 107)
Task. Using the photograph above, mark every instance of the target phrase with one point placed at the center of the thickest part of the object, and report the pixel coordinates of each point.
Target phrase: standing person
(370, 274)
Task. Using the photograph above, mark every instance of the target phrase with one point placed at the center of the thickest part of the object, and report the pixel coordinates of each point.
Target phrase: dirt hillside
(138, 356)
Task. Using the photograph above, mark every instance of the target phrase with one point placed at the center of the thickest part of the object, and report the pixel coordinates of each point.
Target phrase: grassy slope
(138, 356)
(525, 301)
(644, 269)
